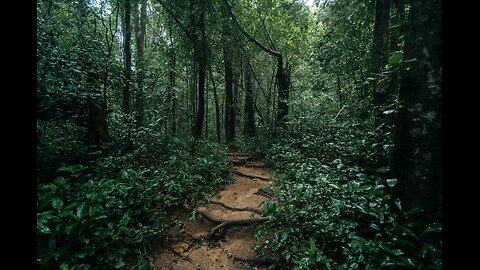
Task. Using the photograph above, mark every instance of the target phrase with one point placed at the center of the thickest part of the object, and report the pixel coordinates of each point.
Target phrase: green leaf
(144, 266)
(374, 226)
(64, 266)
(119, 264)
(433, 228)
(80, 210)
(397, 202)
(57, 203)
(313, 247)
(395, 58)
(125, 220)
(392, 182)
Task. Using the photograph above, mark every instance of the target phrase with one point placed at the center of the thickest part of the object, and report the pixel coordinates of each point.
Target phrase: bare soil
(191, 243)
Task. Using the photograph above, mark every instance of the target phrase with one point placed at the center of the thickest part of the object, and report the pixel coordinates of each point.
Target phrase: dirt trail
(223, 233)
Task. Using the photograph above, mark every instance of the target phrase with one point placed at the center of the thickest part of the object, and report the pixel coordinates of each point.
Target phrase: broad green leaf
(80, 210)
(119, 264)
(64, 266)
(392, 182)
(125, 220)
(57, 203)
(395, 58)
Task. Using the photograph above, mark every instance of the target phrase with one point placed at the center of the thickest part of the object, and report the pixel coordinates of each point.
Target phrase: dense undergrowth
(102, 214)
(334, 209)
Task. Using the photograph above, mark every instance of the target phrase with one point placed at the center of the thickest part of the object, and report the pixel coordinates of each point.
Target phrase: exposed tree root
(251, 176)
(227, 223)
(245, 163)
(265, 192)
(251, 209)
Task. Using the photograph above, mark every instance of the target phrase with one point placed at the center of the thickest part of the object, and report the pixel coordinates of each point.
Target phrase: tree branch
(247, 35)
(179, 23)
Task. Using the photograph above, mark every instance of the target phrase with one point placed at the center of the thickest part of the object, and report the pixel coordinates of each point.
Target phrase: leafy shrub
(100, 217)
(334, 209)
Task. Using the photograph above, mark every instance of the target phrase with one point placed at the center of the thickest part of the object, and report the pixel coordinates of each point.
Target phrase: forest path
(222, 236)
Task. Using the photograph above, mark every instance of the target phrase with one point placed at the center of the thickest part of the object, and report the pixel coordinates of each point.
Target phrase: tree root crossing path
(222, 234)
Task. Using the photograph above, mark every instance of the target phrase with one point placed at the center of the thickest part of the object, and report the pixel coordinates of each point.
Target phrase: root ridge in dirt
(222, 235)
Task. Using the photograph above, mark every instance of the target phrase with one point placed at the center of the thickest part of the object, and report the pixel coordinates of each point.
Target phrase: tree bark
(227, 60)
(380, 56)
(171, 80)
(127, 33)
(140, 31)
(417, 152)
(283, 79)
(217, 107)
(202, 67)
(249, 109)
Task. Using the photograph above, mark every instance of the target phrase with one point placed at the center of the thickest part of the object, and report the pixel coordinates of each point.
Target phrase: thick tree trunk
(249, 109)
(283, 80)
(140, 31)
(127, 33)
(418, 141)
(97, 128)
(380, 56)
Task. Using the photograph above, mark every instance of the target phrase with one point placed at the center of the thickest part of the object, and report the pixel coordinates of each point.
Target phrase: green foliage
(98, 217)
(334, 209)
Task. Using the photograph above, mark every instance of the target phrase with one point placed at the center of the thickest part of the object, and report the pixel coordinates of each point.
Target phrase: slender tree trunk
(249, 109)
(140, 31)
(236, 99)
(127, 33)
(217, 108)
(202, 68)
(418, 141)
(171, 79)
(380, 56)
(227, 60)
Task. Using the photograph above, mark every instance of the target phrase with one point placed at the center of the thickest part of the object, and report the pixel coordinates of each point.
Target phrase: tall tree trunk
(283, 79)
(127, 33)
(227, 60)
(418, 142)
(140, 31)
(217, 108)
(380, 56)
(171, 79)
(249, 109)
(236, 98)
(202, 68)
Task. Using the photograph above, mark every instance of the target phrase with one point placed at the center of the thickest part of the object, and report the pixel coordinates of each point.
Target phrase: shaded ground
(223, 233)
